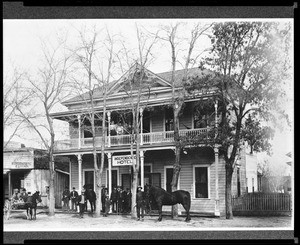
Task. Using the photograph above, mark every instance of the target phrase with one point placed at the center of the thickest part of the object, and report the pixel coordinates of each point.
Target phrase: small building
(27, 167)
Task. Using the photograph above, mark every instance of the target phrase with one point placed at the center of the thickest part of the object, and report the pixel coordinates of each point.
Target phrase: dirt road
(72, 222)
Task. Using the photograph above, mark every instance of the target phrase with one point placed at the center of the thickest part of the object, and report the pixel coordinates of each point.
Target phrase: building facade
(202, 169)
(26, 167)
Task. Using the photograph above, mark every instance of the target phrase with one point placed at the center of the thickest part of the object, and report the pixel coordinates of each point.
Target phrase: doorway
(89, 178)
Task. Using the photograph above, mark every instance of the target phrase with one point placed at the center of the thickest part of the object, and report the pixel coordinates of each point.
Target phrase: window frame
(208, 181)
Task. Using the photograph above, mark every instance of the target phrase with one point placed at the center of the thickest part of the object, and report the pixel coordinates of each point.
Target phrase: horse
(31, 204)
(90, 195)
(161, 197)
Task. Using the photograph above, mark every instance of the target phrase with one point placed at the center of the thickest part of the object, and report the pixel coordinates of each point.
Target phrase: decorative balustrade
(119, 140)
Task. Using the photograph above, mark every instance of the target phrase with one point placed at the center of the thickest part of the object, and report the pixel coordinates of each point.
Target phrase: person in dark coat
(107, 202)
(103, 198)
(81, 201)
(127, 201)
(74, 197)
(114, 199)
(140, 204)
(121, 197)
(66, 199)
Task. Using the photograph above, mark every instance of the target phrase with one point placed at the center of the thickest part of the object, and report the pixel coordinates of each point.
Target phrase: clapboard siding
(162, 158)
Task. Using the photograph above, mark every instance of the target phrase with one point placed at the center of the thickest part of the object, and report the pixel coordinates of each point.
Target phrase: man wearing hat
(74, 196)
(66, 199)
(81, 202)
(103, 198)
(140, 203)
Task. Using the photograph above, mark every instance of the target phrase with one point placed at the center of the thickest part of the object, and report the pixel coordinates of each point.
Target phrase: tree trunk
(228, 197)
(51, 187)
(98, 193)
(177, 166)
(133, 191)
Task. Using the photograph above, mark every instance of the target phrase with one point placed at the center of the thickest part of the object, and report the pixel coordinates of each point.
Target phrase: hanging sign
(123, 160)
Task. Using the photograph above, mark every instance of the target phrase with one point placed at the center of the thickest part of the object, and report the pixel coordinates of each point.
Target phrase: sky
(22, 48)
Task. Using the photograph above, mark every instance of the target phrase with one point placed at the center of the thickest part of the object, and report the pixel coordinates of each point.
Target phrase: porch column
(108, 118)
(216, 114)
(79, 131)
(141, 113)
(217, 210)
(109, 174)
(79, 157)
(142, 168)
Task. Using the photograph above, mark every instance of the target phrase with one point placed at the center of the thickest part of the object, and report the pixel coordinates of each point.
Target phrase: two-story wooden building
(202, 172)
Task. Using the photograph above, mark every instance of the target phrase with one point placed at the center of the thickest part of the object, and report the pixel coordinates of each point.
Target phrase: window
(201, 181)
(169, 119)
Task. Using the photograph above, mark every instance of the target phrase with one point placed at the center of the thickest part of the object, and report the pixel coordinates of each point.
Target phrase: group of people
(19, 196)
(119, 201)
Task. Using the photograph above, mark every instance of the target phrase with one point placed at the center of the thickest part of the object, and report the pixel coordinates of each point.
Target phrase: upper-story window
(169, 119)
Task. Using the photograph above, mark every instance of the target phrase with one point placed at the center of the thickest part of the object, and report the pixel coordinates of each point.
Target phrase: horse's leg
(91, 204)
(34, 213)
(187, 209)
(159, 212)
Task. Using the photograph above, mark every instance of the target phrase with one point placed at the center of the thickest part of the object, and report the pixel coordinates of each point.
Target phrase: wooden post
(109, 177)
(217, 210)
(108, 117)
(79, 172)
(142, 168)
(141, 113)
(9, 184)
(79, 131)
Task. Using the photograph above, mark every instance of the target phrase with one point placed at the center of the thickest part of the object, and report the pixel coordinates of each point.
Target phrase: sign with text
(123, 160)
(18, 160)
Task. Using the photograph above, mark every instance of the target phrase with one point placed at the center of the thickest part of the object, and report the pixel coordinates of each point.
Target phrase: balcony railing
(124, 140)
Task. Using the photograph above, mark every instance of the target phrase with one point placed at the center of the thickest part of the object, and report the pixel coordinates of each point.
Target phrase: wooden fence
(262, 204)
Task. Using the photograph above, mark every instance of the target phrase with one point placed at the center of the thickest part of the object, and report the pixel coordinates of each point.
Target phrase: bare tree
(47, 89)
(14, 95)
(171, 35)
(87, 56)
(138, 89)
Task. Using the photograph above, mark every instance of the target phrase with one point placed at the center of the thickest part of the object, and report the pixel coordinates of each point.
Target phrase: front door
(89, 178)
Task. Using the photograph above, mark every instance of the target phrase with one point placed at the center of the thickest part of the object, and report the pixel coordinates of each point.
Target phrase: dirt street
(72, 222)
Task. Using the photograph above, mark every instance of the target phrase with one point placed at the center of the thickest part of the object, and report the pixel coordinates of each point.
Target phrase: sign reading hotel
(123, 160)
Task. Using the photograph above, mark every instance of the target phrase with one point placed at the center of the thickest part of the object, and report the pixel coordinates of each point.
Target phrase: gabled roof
(159, 80)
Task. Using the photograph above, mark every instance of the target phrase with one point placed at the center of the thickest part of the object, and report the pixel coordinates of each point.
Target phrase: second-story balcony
(159, 138)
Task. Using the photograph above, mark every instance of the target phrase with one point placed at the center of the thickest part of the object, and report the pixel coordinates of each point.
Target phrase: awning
(5, 171)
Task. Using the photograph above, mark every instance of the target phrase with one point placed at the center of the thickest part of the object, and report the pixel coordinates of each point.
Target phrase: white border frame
(208, 180)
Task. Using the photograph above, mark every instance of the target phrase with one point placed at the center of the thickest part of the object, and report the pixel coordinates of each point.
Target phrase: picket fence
(262, 204)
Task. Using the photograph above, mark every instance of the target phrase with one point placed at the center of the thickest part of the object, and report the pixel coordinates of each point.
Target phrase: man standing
(140, 203)
(66, 199)
(103, 197)
(114, 199)
(107, 203)
(81, 203)
(74, 196)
